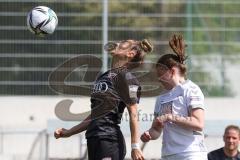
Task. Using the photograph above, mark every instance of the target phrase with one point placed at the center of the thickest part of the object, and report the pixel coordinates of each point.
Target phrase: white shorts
(187, 156)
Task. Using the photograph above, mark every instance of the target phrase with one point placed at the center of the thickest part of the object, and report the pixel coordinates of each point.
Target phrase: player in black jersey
(112, 92)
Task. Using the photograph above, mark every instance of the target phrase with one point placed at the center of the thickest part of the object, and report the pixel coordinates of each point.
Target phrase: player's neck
(182, 80)
(116, 63)
(178, 80)
(230, 153)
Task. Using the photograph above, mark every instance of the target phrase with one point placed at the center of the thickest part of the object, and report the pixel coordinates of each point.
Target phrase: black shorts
(106, 149)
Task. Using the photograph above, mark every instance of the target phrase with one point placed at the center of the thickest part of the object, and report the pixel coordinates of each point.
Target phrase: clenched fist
(146, 137)
(61, 133)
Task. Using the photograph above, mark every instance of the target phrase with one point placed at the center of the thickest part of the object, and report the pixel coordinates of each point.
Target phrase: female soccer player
(112, 92)
(179, 111)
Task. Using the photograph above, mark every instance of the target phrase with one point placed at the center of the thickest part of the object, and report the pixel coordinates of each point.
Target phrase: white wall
(32, 113)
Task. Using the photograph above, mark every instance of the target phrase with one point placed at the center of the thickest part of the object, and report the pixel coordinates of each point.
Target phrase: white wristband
(135, 146)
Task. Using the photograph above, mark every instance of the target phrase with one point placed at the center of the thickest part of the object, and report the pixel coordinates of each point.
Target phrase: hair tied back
(146, 45)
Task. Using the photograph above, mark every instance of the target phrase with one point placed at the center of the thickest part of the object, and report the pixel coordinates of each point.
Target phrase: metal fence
(23, 144)
(32, 144)
(209, 27)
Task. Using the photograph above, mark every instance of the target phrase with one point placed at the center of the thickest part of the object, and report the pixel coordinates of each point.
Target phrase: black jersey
(220, 155)
(111, 93)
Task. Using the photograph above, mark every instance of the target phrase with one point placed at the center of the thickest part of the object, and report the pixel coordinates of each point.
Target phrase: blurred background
(211, 29)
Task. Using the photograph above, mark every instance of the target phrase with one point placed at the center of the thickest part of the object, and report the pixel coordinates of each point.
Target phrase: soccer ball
(42, 20)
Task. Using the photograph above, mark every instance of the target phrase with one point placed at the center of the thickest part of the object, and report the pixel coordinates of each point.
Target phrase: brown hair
(142, 48)
(234, 127)
(177, 59)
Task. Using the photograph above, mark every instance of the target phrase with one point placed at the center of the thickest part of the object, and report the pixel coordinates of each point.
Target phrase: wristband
(135, 146)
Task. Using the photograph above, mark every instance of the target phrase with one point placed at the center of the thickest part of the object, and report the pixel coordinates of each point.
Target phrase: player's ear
(131, 54)
(172, 70)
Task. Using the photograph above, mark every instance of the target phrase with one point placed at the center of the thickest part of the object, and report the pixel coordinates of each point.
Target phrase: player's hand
(169, 117)
(137, 154)
(159, 121)
(146, 137)
(61, 133)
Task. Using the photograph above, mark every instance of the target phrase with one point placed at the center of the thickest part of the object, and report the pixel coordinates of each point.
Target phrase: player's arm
(195, 103)
(62, 132)
(154, 132)
(194, 122)
(157, 124)
(134, 128)
(132, 110)
(156, 128)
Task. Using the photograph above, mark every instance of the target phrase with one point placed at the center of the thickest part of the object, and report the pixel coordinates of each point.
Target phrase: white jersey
(180, 101)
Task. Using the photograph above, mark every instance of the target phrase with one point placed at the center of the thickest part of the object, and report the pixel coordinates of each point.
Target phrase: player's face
(165, 77)
(120, 49)
(231, 139)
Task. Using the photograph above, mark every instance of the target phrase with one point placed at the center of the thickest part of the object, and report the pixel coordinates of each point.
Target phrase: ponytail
(178, 59)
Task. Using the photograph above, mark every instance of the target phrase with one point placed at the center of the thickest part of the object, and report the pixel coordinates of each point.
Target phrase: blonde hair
(234, 127)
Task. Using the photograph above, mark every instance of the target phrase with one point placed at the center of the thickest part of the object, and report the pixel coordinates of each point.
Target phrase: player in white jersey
(179, 111)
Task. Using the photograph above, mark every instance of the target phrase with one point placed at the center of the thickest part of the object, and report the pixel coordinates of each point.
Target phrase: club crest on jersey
(100, 87)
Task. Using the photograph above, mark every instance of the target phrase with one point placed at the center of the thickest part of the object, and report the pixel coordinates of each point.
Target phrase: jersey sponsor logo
(100, 87)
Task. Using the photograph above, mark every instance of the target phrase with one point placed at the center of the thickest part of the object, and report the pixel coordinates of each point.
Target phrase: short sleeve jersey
(180, 101)
(111, 93)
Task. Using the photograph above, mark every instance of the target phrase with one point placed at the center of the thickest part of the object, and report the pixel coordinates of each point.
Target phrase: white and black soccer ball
(42, 20)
